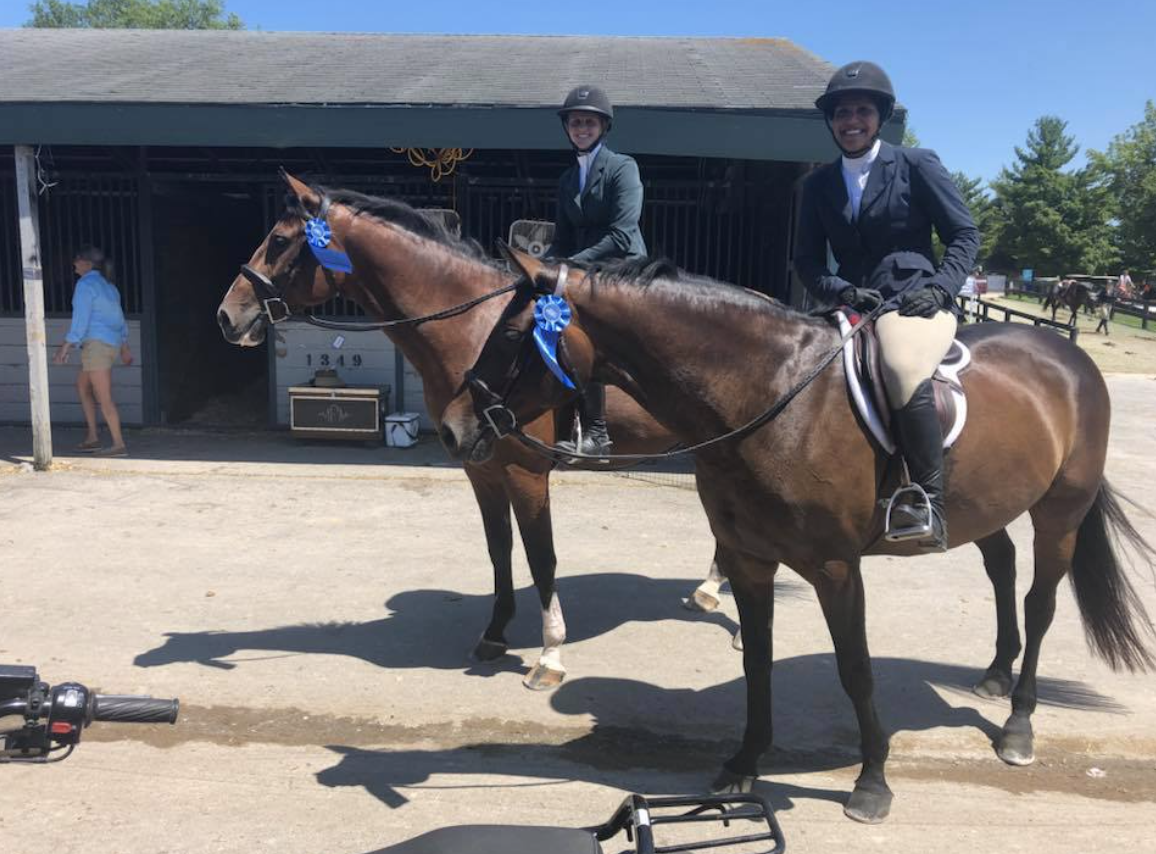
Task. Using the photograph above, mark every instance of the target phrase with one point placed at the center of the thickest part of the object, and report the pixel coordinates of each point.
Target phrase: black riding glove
(865, 300)
(924, 302)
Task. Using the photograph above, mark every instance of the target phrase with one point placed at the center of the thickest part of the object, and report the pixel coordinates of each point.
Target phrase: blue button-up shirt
(96, 312)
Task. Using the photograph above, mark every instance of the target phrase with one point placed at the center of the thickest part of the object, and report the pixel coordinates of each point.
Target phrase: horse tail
(1109, 605)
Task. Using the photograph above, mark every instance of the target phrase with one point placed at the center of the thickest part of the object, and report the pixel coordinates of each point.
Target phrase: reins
(277, 310)
(772, 412)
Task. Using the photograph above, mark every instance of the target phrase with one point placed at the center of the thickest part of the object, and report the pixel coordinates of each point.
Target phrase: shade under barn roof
(737, 97)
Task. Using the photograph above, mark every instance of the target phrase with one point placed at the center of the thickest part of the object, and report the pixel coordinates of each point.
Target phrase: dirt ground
(1125, 349)
(313, 606)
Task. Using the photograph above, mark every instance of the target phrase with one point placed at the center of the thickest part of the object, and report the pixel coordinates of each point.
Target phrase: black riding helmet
(588, 99)
(861, 78)
(858, 78)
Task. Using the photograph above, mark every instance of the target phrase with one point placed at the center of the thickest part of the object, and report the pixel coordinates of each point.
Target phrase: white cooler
(401, 429)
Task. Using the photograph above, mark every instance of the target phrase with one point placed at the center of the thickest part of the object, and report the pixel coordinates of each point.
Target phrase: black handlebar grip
(134, 710)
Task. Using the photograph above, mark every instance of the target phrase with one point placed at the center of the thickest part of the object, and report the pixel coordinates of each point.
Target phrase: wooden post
(33, 307)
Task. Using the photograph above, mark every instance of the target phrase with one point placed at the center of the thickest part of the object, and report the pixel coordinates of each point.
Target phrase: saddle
(865, 384)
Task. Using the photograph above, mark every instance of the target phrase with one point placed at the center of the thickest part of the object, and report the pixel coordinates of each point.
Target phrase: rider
(599, 206)
(875, 206)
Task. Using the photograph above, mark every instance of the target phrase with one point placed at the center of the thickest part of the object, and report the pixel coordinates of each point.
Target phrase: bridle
(275, 307)
(503, 422)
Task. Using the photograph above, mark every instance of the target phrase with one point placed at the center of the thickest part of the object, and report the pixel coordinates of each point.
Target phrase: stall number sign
(333, 360)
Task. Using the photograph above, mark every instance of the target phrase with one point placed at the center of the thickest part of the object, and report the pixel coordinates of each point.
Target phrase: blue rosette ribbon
(318, 235)
(551, 316)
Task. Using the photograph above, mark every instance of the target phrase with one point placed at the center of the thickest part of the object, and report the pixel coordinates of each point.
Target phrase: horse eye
(512, 334)
(279, 241)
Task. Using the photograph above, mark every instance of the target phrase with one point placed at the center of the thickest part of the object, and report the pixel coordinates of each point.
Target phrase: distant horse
(406, 266)
(803, 490)
(1075, 295)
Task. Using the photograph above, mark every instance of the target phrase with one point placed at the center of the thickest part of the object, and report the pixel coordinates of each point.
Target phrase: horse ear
(309, 200)
(529, 266)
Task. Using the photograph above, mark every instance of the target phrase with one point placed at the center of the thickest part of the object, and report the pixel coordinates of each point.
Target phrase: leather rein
(276, 308)
(497, 410)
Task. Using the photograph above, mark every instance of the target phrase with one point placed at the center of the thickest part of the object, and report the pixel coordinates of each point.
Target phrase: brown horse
(803, 490)
(405, 266)
(1072, 294)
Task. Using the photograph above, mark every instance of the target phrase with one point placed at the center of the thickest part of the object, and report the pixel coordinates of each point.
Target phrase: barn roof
(723, 96)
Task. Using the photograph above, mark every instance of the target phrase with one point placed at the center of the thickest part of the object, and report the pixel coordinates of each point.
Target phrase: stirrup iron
(918, 499)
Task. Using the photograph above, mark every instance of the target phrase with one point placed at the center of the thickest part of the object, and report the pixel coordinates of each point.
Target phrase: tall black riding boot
(921, 443)
(592, 416)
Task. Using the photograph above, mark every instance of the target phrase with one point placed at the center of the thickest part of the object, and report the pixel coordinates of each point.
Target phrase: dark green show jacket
(602, 221)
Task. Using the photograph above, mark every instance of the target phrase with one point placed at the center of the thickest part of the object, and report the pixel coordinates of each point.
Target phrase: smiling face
(584, 129)
(855, 123)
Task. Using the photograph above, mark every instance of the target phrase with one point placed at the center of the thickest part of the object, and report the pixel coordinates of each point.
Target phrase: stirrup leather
(918, 498)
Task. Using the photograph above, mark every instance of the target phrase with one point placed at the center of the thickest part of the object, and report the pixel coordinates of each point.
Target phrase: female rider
(599, 206)
(875, 207)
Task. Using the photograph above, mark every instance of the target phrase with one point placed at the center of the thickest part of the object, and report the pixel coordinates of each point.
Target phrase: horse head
(510, 383)
(283, 275)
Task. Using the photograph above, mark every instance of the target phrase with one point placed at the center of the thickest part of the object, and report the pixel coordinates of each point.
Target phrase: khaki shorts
(96, 355)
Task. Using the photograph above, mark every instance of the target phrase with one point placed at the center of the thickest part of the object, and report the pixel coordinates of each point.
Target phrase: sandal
(88, 447)
(122, 451)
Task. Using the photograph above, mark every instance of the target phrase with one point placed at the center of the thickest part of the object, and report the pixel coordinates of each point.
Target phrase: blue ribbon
(551, 316)
(318, 236)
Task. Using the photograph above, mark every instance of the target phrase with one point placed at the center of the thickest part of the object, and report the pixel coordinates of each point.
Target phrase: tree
(982, 211)
(1052, 221)
(910, 140)
(135, 14)
(1128, 169)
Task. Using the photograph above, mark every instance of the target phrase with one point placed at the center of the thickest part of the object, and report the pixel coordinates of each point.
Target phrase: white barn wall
(14, 399)
(307, 348)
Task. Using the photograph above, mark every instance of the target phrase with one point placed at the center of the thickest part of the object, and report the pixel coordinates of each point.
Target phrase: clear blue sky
(973, 74)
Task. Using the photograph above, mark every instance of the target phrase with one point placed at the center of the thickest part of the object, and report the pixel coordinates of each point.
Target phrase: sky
(974, 75)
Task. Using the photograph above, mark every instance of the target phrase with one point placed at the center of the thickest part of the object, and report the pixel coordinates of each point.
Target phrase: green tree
(982, 211)
(1128, 170)
(910, 140)
(135, 14)
(1051, 220)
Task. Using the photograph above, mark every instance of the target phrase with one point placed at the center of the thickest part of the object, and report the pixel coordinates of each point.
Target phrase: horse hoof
(543, 678)
(869, 804)
(701, 601)
(488, 650)
(730, 783)
(1016, 750)
(993, 686)
(1016, 742)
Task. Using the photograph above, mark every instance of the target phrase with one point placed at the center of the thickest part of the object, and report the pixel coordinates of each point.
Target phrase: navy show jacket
(908, 193)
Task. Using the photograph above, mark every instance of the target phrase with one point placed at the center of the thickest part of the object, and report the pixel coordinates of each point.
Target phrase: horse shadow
(594, 605)
(814, 722)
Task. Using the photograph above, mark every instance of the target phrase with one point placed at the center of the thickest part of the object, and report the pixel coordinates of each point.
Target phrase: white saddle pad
(957, 358)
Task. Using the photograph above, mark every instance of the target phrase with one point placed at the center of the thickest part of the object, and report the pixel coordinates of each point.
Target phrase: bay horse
(406, 266)
(803, 490)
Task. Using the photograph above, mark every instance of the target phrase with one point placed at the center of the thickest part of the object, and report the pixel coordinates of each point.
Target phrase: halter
(503, 422)
(276, 308)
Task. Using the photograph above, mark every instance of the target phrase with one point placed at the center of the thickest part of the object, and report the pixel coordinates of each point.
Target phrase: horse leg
(841, 594)
(495, 508)
(1053, 557)
(756, 607)
(529, 493)
(999, 559)
(705, 596)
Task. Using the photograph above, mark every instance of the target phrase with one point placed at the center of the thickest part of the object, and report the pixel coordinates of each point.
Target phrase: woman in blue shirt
(99, 329)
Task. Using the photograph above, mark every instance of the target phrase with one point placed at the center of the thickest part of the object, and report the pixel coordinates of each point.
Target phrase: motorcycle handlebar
(134, 710)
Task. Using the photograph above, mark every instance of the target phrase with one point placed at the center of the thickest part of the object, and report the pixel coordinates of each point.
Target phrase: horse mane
(397, 212)
(703, 291)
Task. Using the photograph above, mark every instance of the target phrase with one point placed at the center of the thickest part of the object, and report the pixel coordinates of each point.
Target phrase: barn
(163, 147)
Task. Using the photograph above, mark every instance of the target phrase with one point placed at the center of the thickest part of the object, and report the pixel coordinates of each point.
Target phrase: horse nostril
(223, 321)
(448, 439)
